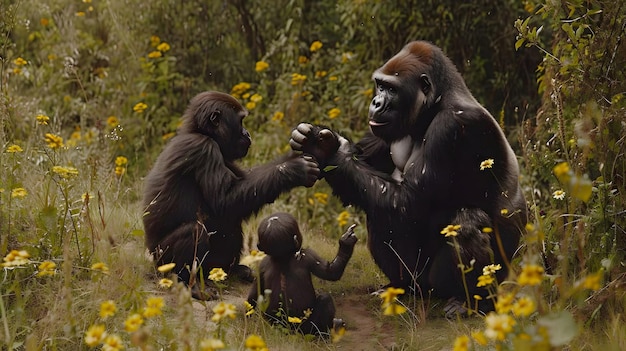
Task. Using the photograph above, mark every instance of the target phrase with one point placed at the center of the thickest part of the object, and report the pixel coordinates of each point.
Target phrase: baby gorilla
(286, 271)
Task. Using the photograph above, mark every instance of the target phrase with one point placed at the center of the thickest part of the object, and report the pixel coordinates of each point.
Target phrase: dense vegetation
(91, 90)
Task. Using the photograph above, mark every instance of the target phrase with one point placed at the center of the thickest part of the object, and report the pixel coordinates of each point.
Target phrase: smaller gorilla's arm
(332, 270)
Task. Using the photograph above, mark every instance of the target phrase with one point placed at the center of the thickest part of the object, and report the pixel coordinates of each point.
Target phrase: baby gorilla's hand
(348, 238)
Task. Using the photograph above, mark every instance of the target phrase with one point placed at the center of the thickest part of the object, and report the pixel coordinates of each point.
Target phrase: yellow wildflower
(562, 172)
(320, 74)
(42, 119)
(249, 308)
(523, 307)
(19, 193)
(107, 309)
(321, 198)
(95, 335)
(154, 40)
(256, 98)
(390, 294)
(223, 310)
(531, 274)
(14, 148)
(253, 258)
(80, 14)
(65, 172)
(217, 274)
(504, 302)
(261, 66)
(112, 121)
(250, 105)
(239, 89)
(346, 56)
(337, 333)
(488, 163)
(20, 62)
(485, 280)
(165, 283)
(278, 116)
(121, 161)
(46, 268)
(155, 54)
(99, 266)
(133, 322)
(487, 230)
(315, 46)
(592, 281)
(461, 343)
(393, 309)
(480, 338)
(342, 218)
(163, 47)
(154, 304)
(54, 141)
(451, 230)
(294, 320)
(211, 344)
(558, 194)
(297, 78)
(334, 113)
(498, 326)
(303, 60)
(491, 269)
(504, 211)
(255, 343)
(140, 107)
(44, 21)
(332, 78)
(112, 343)
(16, 258)
(166, 267)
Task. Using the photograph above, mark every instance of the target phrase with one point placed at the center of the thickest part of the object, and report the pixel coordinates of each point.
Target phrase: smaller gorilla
(286, 271)
(196, 196)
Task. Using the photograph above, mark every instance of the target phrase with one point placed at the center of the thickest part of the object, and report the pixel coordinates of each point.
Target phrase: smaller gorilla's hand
(310, 169)
(321, 143)
(348, 238)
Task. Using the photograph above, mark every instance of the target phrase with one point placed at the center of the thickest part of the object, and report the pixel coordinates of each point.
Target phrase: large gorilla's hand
(319, 142)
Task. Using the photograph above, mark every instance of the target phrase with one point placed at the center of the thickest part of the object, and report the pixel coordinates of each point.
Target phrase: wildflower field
(91, 91)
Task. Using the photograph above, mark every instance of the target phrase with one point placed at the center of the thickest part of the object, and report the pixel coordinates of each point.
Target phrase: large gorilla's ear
(425, 83)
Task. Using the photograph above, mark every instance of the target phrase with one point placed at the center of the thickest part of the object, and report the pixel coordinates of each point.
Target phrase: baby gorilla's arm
(332, 270)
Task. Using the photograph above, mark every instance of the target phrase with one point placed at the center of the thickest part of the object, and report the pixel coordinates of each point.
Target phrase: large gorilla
(435, 157)
(196, 197)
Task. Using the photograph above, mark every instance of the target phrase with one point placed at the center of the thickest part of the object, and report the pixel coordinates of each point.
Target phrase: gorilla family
(196, 197)
(434, 157)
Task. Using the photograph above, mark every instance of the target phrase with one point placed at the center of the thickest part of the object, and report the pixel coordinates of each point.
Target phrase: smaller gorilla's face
(237, 145)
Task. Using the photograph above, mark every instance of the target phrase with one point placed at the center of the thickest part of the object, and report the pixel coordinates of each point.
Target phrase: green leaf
(329, 168)
(519, 43)
(561, 327)
(137, 232)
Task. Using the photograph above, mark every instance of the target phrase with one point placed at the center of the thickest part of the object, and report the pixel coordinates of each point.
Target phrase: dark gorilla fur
(196, 197)
(419, 171)
(287, 270)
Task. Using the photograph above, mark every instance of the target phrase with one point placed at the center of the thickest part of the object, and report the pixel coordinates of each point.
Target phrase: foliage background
(551, 72)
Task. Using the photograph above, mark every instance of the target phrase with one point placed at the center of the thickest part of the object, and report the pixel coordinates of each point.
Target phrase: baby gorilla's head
(279, 235)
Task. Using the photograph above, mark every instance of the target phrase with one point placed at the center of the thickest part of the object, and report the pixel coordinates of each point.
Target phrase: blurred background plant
(91, 90)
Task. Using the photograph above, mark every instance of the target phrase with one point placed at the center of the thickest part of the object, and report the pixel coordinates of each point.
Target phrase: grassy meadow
(91, 91)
